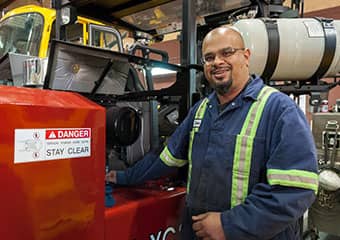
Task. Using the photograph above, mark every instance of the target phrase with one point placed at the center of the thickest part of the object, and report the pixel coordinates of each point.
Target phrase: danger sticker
(68, 133)
(51, 144)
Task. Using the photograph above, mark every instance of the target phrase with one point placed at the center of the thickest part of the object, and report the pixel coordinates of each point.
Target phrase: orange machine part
(146, 212)
(55, 199)
(63, 199)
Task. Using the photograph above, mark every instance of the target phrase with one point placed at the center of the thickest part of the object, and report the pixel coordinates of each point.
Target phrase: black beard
(223, 88)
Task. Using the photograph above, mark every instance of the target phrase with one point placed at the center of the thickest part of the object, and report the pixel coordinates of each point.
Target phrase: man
(252, 162)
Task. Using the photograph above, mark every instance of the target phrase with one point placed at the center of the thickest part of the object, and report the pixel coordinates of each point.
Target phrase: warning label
(68, 133)
(50, 144)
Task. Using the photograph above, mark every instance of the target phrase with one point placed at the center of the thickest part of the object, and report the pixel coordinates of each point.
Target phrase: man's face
(225, 60)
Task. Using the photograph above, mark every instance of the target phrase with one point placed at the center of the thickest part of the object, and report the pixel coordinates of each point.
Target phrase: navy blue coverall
(282, 179)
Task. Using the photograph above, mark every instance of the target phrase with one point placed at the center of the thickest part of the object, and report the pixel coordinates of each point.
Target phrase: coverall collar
(253, 88)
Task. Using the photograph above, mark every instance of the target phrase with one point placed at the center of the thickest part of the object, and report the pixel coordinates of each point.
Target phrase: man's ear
(247, 54)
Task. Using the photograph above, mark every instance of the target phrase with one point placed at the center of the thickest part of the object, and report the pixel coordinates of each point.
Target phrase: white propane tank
(297, 49)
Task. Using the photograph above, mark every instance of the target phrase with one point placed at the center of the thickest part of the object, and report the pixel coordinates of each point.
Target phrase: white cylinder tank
(300, 46)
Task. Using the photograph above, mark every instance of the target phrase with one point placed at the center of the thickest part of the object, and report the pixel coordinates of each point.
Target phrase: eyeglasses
(223, 54)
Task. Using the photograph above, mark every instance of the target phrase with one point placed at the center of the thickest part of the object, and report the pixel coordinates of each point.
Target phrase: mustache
(216, 68)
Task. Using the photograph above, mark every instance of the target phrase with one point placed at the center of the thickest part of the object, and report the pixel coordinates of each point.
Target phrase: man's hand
(111, 177)
(208, 226)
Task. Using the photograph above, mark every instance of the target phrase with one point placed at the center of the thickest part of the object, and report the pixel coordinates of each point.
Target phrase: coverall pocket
(211, 159)
(258, 162)
(221, 182)
(220, 174)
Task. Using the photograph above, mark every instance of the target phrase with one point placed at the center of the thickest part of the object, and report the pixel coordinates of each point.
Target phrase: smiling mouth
(219, 73)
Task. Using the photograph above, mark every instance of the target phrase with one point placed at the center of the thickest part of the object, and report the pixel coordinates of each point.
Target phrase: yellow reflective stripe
(253, 114)
(191, 140)
(293, 178)
(244, 148)
(198, 117)
(170, 160)
(201, 109)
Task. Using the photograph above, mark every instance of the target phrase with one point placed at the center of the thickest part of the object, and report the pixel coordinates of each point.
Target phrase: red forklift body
(60, 198)
(52, 168)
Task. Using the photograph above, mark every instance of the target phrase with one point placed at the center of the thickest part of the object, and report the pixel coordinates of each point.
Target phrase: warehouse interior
(110, 82)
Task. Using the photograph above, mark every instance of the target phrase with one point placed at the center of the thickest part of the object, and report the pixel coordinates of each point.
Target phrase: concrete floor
(325, 236)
